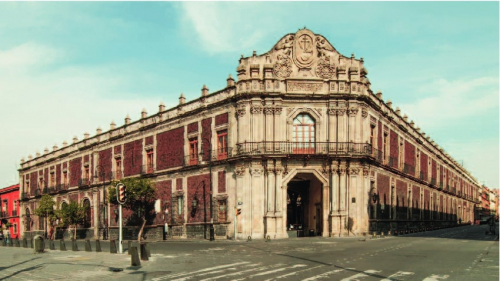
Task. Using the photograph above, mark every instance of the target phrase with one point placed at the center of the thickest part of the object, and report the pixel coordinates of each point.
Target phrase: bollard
(52, 246)
(62, 245)
(144, 254)
(129, 246)
(11, 243)
(25, 243)
(98, 246)
(148, 251)
(88, 248)
(112, 247)
(134, 261)
(4, 242)
(31, 241)
(39, 246)
(17, 243)
(74, 246)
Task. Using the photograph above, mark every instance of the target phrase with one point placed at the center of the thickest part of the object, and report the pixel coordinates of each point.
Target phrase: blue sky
(69, 68)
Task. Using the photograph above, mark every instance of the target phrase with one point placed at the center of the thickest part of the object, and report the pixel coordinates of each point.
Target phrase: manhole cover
(116, 269)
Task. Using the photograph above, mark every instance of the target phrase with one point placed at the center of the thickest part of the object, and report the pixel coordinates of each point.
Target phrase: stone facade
(299, 145)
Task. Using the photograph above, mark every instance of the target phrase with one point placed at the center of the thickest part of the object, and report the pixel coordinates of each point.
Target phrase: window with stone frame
(149, 161)
(222, 145)
(384, 145)
(118, 168)
(372, 137)
(52, 179)
(304, 136)
(65, 177)
(222, 211)
(193, 151)
(41, 223)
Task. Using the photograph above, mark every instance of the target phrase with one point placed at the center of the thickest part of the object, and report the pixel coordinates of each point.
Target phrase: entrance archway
(305, 206)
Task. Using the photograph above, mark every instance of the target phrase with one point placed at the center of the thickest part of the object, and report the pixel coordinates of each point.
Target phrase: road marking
(294, 273)
(360, 275)
(244, 271)
(199, 271)
(435, 277)
(397, 274)
(269, 272)
(323, 275)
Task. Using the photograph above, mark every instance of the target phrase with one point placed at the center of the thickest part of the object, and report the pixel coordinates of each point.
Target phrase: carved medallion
(283, 66)
(324, 69)
(304, 48)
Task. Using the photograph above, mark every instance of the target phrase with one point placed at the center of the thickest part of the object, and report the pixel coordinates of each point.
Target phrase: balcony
(408, 169)
(45, 190)
(440, 186)
(116, 175)
(3, 214)
(61, 187)
(24, 195)
(147, 169)
(83, 182)
(14, 213)
(433, 181)
(303, 148)
(379, 156)
(38, 192)
(423, 176)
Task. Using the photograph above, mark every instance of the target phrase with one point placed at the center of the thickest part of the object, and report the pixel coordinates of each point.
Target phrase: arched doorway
(88, 214)
(28, 220)
(305, 206)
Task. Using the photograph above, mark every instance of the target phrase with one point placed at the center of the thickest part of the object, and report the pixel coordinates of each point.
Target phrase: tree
(46, 210)
(141, 195)
(72, 214)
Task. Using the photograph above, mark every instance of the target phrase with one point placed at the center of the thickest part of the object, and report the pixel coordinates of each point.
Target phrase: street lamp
(100, 173)
(212, 238)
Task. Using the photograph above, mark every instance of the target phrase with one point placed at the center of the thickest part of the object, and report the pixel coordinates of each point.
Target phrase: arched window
(88, 219)
(303, 134)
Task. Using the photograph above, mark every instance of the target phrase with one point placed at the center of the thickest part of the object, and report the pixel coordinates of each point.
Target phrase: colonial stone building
(299, 145)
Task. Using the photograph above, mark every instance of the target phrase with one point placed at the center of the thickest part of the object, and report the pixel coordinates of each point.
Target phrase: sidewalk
(22, 263)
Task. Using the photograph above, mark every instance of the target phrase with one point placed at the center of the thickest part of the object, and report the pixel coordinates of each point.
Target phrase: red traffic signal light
(122, 193)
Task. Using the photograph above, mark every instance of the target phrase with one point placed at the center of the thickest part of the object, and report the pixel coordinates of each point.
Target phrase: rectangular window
(149, 161)
(222, 211)
(179, 205)
(86, 175)
(384, 144)
(193, 151)
(222, 145)
(52, 179)
(65, 177)
(118, 168)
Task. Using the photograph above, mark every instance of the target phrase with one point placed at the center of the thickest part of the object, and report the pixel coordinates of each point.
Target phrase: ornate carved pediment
(306, 57)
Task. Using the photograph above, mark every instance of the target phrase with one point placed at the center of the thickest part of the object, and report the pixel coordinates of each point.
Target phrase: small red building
(9, 211)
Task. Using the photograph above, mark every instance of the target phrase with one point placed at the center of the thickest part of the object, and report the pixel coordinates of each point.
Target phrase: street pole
(212, 234)
(120, 237)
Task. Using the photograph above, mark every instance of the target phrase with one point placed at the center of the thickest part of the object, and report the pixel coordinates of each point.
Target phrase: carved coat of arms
(325, 69)
(304, 48)
(283, 66)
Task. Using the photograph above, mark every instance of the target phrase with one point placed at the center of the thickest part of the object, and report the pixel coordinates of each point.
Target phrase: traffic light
(122, 193)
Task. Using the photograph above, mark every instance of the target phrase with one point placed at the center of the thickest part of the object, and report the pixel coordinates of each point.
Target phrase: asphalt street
(461, 253)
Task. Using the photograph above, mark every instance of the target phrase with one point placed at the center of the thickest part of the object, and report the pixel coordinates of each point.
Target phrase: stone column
(95, 200)
(325, 209)
(342, 124)
(256, 201)
(240, 174)
(332, 128)
(280, 204)
(342, 197)
(269, 129)
(271, 201)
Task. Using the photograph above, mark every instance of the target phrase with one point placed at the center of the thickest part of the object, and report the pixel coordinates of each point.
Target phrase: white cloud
(225, 27)
(480, 157)
(452, 101)
(43, 108)
(25, 56)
